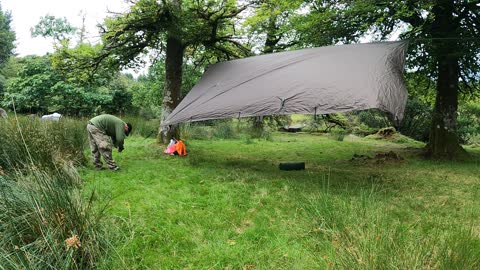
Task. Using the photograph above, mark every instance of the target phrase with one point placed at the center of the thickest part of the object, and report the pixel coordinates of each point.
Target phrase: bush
(195, 131)
(338, 134)
(363, 130)
(326, 122)
(417, 121)
(468, 122)
(224, 130)
(149, 113)
(374, 118)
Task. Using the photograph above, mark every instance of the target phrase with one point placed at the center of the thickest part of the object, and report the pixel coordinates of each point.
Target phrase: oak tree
(444, 44)
(174, 29)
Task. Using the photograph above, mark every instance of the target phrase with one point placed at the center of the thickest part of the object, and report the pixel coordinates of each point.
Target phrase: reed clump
(45, 222)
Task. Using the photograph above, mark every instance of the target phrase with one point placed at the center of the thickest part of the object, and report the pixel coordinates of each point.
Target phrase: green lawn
(228, 206)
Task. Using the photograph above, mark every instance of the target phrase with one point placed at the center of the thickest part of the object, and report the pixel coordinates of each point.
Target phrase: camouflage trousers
(100, 144)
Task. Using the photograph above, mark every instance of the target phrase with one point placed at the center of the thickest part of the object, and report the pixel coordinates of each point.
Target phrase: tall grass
(147, 128)
(364, 236)
(224, 129)
(44, 221)
(44, 144)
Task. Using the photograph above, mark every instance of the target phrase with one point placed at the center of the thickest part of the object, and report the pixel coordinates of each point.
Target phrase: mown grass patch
(228, 206)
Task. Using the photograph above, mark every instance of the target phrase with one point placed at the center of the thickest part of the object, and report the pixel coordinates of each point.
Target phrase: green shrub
(277, 121)
(314, 124)
(468, 123)
(149, 113)
(374, 118)
(363, 130)
(195, 131)
(417, 120)
(224, 130)
(338, 134)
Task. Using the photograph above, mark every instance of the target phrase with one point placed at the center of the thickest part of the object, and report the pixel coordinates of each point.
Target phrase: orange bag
(180, 148)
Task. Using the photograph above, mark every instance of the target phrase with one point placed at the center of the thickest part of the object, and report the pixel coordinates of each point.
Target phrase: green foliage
(39, 212)
(7, 37)
(272, 26)
(191, 75)
(40, 88)
(469, 123)
(374, 119)
(223, 129)
(119, 89)
(3, 82)
(195, 131)
(332, 21)
(147, 128)
(57, 28)
(63, 61)
(417, 121)
(420, 87)
(443, 47)
(328, 122)
(220, 129)
(33, 87)
(147, 91)
(47, 144)
(7, 73)
(45, 222)
(338, 134)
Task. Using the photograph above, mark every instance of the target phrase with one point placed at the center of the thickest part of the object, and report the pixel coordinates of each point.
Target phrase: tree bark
(172, 87)
(443, 140)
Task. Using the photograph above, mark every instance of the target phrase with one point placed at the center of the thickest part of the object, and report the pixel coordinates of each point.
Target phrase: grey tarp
(309, 81)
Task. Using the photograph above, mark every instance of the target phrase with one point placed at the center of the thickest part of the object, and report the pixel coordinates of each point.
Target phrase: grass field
(228, 206)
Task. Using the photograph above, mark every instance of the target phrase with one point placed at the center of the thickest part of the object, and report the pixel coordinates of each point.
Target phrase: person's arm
(119, 136)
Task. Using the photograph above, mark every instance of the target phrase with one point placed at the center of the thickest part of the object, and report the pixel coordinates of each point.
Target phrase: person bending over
(104, 132)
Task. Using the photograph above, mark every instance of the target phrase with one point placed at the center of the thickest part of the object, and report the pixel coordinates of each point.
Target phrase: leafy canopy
(7, 37)
(57, 28)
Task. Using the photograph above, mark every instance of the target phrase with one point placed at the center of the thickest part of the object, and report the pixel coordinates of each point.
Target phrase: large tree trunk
(443, 141)
(173, 85)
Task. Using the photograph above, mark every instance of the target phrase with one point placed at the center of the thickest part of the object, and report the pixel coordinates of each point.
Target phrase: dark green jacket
(112, 126)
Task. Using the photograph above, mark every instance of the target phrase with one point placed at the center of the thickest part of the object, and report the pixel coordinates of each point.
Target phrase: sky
(27, 13)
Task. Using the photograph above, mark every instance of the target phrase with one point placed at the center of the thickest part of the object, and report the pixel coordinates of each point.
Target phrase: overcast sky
(27, 13)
